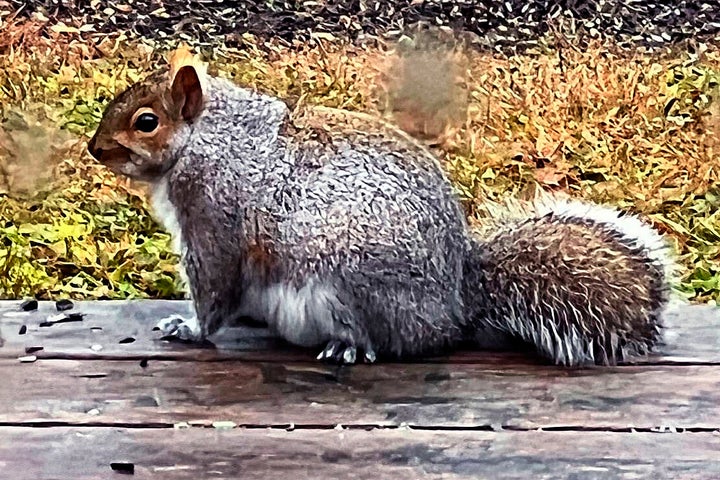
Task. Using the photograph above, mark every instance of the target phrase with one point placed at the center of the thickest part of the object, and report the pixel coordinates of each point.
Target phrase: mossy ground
(636, 131)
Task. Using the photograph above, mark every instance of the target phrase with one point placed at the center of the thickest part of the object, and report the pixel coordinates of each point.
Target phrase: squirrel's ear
(187, 92)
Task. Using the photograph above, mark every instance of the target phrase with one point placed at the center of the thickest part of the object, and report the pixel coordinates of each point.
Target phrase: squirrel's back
(583, 282)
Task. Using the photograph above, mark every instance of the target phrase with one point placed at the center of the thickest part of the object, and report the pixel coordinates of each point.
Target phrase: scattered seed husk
(123, 467)
(224, 425)
(29, 305)
(509, 25)
(63, 305)
(62, 318)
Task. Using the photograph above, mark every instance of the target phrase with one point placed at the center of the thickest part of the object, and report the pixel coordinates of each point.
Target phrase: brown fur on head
(139, 123)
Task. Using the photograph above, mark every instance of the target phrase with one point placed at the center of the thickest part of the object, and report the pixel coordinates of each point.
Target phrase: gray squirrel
(342, 233)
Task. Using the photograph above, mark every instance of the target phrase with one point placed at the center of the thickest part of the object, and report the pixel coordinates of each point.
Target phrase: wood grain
(428, 395)
(87, 453)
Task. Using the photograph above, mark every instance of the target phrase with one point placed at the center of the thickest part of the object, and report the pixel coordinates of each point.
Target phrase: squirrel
(342, 233)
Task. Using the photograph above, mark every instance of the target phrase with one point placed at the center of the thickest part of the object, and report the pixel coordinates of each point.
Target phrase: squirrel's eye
(147, 122)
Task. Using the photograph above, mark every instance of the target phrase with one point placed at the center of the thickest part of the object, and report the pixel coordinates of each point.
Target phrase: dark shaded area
(511, 25)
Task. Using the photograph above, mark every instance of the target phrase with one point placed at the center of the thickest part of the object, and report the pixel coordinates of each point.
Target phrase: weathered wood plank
(85, 454)
(428, 395)
(108, 323)
(693, 336)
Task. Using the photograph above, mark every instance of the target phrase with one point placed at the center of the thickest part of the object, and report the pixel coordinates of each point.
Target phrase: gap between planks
(569, 429)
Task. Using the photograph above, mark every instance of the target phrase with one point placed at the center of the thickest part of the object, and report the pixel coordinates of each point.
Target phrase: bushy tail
(582, 282)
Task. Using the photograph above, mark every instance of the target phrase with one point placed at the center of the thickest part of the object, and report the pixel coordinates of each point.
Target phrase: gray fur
(338, 229)
(369, 243)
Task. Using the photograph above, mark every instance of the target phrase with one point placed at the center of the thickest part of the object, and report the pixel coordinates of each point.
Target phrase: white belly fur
(301, 316)
(165, 213)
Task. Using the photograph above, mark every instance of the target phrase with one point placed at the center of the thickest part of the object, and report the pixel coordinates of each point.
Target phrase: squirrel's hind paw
(340, 353)
(180, 328)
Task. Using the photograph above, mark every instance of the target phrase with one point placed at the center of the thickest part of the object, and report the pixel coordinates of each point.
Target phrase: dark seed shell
(63, 305)
(29, 305)
(123, 467)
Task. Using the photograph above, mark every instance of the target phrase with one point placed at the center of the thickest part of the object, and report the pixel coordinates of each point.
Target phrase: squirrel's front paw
(180, 328)
(343, 354)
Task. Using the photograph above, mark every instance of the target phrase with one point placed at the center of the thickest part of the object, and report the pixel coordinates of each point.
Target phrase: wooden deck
(105, 395)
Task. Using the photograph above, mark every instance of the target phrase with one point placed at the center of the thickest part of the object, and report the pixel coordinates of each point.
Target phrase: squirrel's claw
(179, 328)
(349, 355)
(340, 353)
(168, 325)
(370, 356)
(329, 351)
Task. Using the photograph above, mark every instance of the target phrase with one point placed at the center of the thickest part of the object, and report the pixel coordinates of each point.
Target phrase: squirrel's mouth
(123, 161)
(113, 158)
(108, 156)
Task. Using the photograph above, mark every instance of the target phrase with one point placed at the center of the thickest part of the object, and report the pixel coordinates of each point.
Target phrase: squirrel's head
(139, 124)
